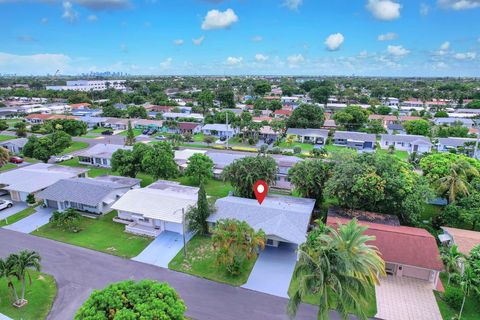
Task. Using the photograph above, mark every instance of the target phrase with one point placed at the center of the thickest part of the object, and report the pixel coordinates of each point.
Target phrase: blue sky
(241, 37)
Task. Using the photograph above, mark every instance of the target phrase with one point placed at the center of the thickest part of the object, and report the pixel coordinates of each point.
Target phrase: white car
(4, 204)
(63, 158)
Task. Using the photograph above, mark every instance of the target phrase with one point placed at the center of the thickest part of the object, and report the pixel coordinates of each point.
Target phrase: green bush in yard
(297, 150)
(453, 297)
(146, 299)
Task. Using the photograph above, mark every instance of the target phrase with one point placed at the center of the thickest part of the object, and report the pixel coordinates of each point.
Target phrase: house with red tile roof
(190, 127)
(77, 106)
(407, 251)
(282, 113)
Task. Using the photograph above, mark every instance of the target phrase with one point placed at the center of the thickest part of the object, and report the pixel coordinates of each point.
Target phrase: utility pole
(183, 227)
(226, 113)
(476, 122)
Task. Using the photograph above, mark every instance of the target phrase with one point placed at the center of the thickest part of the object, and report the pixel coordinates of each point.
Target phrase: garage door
(174, 227)
(52, 204)
(416, 273)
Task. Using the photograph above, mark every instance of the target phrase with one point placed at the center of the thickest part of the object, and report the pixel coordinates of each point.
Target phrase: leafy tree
(137, 112)
(205, 100)
(123, 162)
(70, 126)
(456, 182)
(306, 116)
(321, 94)
(4, 156)
(463, 213)
(199, 167)
(226, 97)
(383, 110)
(3, 125)
(45, 147)
(68, 220)
(441, 114)
(452, 259)
(234, 242)
(159, 162)
(197, 216)
(111, 111)
(375, 127)
(438, 165)
(21, 129)
(79, 97)
(261, 88)
(209, 139)
(245, 172)
(469, 283)
(352, 117)
(417, 127)
(130, 139)
(339, 269)
(145, 299)
(455, 130)
(309, 178)
(473, 105)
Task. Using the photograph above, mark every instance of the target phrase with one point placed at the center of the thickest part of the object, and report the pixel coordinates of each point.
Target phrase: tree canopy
(200, 167)
(352, 117)
(417, 127)
(306, 116)
(309, 178)
(44, 147)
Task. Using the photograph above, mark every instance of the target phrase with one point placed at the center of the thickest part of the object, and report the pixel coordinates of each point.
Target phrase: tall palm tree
(22, 263)
(456, 182)
(469, 282)
(451, 258)
(4, 156)
(339, 268)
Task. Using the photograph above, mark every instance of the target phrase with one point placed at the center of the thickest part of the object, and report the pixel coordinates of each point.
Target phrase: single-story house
(266, 133)
(448, 144)
(465, 240)
(466, 122)
(282, 113)
(14, 145)
(395, 128)
(178, 115)
(282, 218)
(34, 178)
(92, 121)
(189, 127)
(87, 112)
(144, 124)
(41, 118)
(159, 207)
(76, 106)
(357, 140)
(100, 155)
(181, 156)
(160, 109)
(219, 130)
(86, 194)
(405, 142)
(119, 123)
(222, 159)
(407, 251)
(315, 136)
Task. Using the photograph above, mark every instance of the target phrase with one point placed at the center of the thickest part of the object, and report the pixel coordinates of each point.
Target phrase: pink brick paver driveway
(402, 298)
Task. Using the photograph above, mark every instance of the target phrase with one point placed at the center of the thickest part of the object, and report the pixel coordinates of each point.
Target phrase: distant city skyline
(232, 37)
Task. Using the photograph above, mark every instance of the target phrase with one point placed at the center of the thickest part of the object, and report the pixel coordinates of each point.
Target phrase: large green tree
(200, 167)
(309, 178)
(159, 162)
(417, 127)
(70, 126)
(455, 183)
(197, 215)
(352, 117)
(130, 139)
(45, 147)
(306, 116)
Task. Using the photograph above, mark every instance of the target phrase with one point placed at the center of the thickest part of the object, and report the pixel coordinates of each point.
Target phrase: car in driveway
(107, 132)
(62, 158)
(16, 160)
(161, 138)
(4, 204)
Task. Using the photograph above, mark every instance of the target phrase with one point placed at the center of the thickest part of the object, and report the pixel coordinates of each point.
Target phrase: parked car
(145, 131)
(107, 132)
(161, 138)
(16, 160)
(4, 204)
(223, 138)
(63, 158)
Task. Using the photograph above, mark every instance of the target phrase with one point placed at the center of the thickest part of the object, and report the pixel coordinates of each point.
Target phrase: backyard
(471, 310)
(40, 295)
(200, 262)
(102, 234)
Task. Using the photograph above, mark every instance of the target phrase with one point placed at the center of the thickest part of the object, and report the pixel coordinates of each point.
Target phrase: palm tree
(469, 282)
(339, 268)
(21, 264)
(451, 258)
(4, 156)
(456, 182)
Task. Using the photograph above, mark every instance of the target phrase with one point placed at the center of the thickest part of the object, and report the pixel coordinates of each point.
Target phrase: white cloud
(387, 36)
(178, 42)
(295, 60)
(384, 9)
(363, 54)
(233, 61)
(459, 4)
(424, 9)
(292, 4)
(257, 38)
(465, 55)
(445, 45)
(167, 63)
(398, 51)
(219, 20)
(260, 57)
(68, 13)
(334, 41)
(92, 18)
(198, 41)
(39, 64)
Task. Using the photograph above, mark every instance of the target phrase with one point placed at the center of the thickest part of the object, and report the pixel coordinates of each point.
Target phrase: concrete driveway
(17, 207)
(33, 221)
(402, 298)
(162, 250)
(273, 270)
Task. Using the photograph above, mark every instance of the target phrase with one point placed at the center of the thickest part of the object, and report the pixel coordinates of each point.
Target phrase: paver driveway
(402, 298)
(162, 250)
(33, 221)
(273, 270)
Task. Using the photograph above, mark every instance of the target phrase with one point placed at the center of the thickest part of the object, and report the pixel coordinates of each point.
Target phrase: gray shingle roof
(279, 216)
(453, 120)
(20, 142)
(413, 139)
(103, 150)
(357, 136)
(395, 126)
(455, 142)
(308, 132)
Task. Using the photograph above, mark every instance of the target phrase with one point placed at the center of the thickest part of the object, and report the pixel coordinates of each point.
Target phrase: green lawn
(89, 137)
(76, 145)
(303, 146)
(99, 234)
(313, 299)
(136, 132)
(4, 137)
(198, 137)
(332, 149)
(402, 155)
(200, 262)
(17, 216)
(430, 211)
(98, 130)
(471, 310)
(7, 166)
(214, 188)
(195, 145)
(40, 295)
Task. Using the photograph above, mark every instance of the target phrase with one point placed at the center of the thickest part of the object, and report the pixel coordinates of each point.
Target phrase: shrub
(297, 150)
(263, 148)
(67, 220)
(453, 297)
(146, 299)
(276, 150)
(244, 149)
(31, 198)
(251, 141)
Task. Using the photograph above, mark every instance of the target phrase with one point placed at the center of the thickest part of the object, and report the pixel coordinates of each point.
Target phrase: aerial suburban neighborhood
(292, 159)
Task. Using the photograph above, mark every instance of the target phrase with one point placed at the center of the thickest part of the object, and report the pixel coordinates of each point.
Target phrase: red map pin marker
(260, 189)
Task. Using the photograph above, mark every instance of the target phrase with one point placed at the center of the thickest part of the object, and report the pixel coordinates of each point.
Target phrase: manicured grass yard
(200, 262)
(402, 155)
(198, 137)
(214, 188)
(98, 130)
(7, 166)
(195, 145)
(303, 146)
(471, 310)
(332, 149)
(40, 295)
(4, 137)
(136, 132)
(17, 216)
(313, 299)
(99, 234)
(76, 145)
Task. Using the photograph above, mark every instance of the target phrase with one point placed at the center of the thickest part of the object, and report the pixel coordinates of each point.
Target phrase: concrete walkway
(273, 270)
(33, 221)
(162, 250)
(402, 298)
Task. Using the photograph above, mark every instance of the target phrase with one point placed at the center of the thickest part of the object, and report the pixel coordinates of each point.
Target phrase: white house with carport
(314, 136)
(406, 142)
(86, 194)
(34, 178)
(100, 155)
(461, 145)
(15, 145)
(157, 208)
(219, 130)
